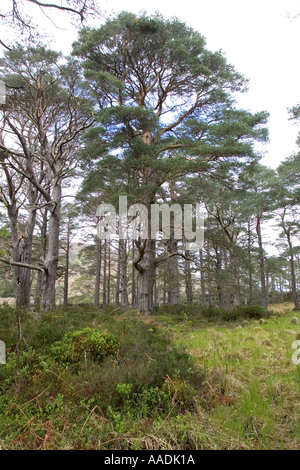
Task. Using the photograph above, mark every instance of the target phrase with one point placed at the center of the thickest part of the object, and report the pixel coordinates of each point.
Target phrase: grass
(180, 379)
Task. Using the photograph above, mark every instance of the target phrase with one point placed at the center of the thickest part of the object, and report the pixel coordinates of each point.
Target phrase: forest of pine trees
(149, 256)
(140, 109)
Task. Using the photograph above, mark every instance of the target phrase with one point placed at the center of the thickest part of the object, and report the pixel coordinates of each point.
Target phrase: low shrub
(215, 313)
(94, 344)
(145, 360)
(251, 311)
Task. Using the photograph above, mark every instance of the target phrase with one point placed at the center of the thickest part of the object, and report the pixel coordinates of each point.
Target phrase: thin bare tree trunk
(173, 275)
(188, 280)
(292, 265)
(39, 282)
(250, 265)
(117, 296)
(123, 272)
(66, 280)
(104, 297)
(202, 279)
(261, 263)
(133, 280)
(109, 272)
(98, 273)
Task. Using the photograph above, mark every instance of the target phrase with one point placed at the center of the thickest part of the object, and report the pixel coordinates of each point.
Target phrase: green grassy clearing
(176, 380)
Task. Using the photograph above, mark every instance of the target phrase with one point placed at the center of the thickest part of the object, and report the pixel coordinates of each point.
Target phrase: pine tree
(164, 109)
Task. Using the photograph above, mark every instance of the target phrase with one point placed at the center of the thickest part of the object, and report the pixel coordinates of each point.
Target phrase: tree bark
(219, 278)
(261, 263)
(145, 263)
(104, 294)
(51, 260)
(173, 274)
(98, 273)
(133, 280)
(109, 272)
(43, 251)
(202, 279)
(188, 280)
(66, 280)
(250, 265)
(123, 272)
(292, 265)
(146, 279)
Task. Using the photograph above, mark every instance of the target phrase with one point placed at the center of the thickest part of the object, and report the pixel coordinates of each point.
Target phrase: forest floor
(176, 380)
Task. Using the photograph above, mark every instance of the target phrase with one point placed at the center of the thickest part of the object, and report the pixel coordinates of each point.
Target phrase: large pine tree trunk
(26, 256)
(146, 262)
(22, 249)
(51, 260)
(146, 279)
(15, 254)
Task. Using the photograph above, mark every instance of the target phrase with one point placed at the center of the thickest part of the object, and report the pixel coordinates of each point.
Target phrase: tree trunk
(66, 280)
(15, 254)
(98, 273)
(117, 295)
(109, 272)
(146, 261)
(202, 279)
(123, 272)
(209, 286)
(219, 278)
(261, 263)
(188, 280)
(173, 275)
(21, 245)
(26, 252)
(133, 280)
(51, 260)
(39, 282)
(226, 292)
(104, 297)
(292, 265)
(235, 279)
(146, 279)
(250, 265)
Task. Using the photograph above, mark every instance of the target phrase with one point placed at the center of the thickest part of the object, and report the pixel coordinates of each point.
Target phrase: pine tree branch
(62, 8)
(22, 265)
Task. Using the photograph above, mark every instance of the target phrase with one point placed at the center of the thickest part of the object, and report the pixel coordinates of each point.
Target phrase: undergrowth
(185, 378)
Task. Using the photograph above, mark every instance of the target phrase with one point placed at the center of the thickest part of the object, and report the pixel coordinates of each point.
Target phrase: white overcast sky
(258, 37)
